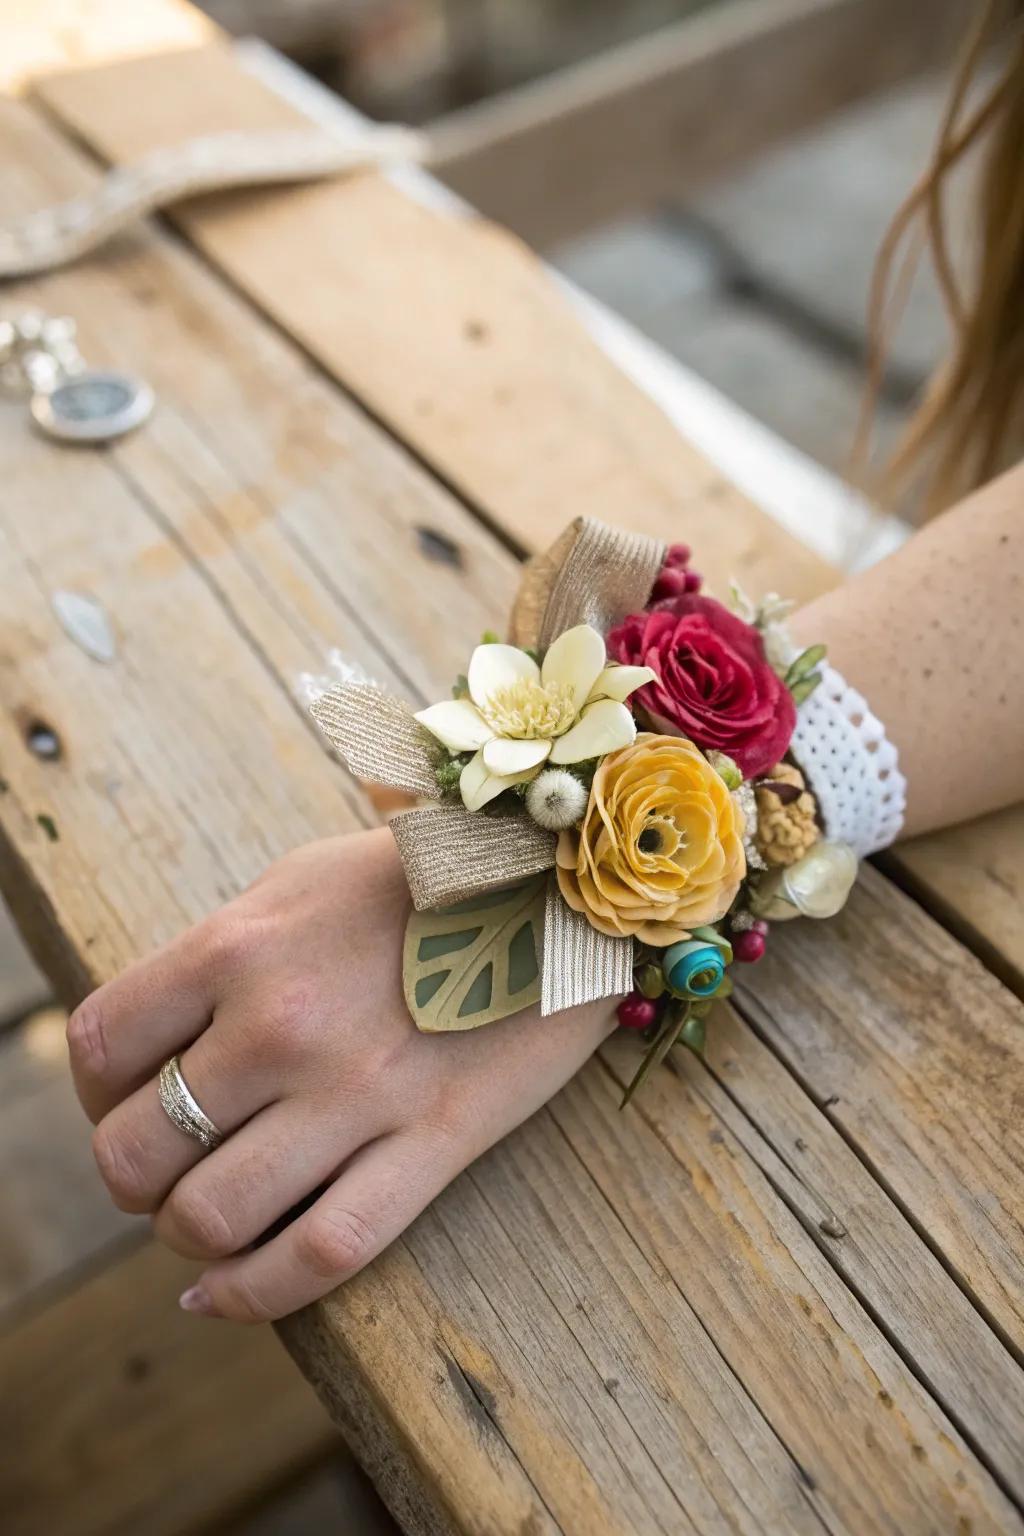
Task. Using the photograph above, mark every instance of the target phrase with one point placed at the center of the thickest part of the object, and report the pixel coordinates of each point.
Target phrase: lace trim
(851, 766)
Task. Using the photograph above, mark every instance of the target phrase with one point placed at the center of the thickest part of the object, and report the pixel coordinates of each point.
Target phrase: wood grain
(119, 1414)
(484, 371)
(971, 878)
(55, 1214)
(21, 986)
(840, 1195)
(243, 469)
(591, 1324)
(70, 34)
(917, 1055)
(675, 109)
(478, 1364)
(480, 331)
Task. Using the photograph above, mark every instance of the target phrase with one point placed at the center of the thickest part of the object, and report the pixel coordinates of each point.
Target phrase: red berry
(748, 946)
(637, 1012)
(678, 554)
(671, 583)
(693, 581)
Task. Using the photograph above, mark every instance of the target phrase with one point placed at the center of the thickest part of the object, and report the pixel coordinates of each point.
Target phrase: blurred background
(736, 231)
(756, 278)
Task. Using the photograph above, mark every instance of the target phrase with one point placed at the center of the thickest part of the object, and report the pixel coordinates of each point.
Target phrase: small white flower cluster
(768, 616)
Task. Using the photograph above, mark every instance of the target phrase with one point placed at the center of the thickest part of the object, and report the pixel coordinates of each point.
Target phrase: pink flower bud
(748, 946)
(637, 1012)
(678, 554)
(671, 583)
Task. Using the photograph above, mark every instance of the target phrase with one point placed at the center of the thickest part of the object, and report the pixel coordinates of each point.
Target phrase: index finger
(124, 1031)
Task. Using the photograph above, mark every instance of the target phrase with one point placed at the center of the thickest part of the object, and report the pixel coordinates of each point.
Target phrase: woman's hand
(287, 1009)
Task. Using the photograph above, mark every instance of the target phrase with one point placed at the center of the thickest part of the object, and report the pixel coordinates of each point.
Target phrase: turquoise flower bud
(694, 968)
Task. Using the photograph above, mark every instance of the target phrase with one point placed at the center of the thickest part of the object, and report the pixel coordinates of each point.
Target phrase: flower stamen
(528, 710)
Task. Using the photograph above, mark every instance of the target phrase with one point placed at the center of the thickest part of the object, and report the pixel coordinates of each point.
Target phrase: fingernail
(195, 1299)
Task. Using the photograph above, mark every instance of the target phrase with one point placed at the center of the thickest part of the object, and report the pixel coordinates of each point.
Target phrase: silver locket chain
(67, 400)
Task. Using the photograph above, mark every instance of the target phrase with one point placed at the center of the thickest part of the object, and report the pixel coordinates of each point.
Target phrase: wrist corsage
(622, 798)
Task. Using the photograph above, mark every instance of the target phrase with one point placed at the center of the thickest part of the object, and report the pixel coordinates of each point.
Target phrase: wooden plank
(484, 371)
(584, 1329)
(656, 118)
(182, 519)
(970, 878)
(333, 1498)
(55, 1214)
(119, 1414)
(434, 321)
(70, 34)
(21, 986)
(181, 528)
(839, 1195)
(917, 1054)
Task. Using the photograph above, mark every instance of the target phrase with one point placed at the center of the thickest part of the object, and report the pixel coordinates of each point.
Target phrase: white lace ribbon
(850, 764)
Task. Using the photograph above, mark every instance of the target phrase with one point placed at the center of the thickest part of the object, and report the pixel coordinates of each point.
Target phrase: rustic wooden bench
(784, 1294)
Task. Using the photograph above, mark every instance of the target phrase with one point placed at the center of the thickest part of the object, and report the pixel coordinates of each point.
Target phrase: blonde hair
(970, 422)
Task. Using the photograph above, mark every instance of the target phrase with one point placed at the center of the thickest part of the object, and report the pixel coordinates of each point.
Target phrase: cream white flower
(519, 716)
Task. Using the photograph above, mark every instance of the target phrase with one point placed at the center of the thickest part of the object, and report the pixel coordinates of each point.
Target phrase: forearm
(934, 639)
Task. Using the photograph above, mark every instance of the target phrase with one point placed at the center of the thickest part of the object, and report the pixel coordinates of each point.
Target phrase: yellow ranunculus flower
(660, 850)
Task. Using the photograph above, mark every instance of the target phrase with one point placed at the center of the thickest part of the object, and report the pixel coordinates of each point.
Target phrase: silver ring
(188, 1115)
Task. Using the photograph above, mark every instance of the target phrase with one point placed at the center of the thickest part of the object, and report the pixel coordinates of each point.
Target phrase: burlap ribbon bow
(593, 575)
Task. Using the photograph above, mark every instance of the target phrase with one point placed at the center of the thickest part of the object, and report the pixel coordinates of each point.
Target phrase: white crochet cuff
(851, 766)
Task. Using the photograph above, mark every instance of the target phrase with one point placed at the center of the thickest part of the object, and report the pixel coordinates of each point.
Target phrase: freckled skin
(931, 637)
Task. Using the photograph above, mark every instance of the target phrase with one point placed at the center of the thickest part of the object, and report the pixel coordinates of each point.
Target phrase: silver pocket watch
(68, 401)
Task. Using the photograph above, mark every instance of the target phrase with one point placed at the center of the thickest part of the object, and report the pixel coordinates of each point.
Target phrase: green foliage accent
(477, 961)
(804, 664)
(448, 768)
(802, 677)
(478, 996)
(649, 980)
(694, 1033)
(672, 1025)
(805, 687)
(523, 960)
(490, 637)
(433, 945)
(712, 936)
(508, 803)
(460, 687)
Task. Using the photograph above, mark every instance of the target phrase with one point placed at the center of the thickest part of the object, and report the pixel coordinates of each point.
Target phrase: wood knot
(42, 741)
(439, 547)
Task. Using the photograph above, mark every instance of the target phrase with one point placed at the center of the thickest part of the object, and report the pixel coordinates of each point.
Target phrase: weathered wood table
(784, 1294)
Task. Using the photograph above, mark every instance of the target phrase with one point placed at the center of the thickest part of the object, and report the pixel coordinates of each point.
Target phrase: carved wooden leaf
(477, 961)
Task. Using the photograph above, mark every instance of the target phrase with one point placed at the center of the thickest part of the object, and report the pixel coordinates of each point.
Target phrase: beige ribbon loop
(451, 854)
(581, 965)
(54, 236)
(605, 575)
(376, 737)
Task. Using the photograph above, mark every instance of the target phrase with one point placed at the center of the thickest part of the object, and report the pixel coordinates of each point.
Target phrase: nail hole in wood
(439, 547)
(475, 330)
(43, 741)
(137, 1368)
(49, 826)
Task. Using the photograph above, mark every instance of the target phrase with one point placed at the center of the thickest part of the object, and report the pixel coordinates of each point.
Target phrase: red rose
(714, 684)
